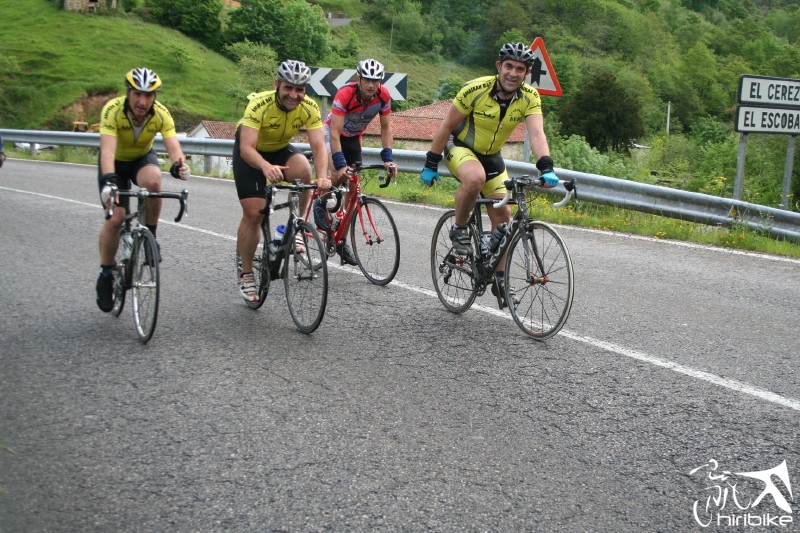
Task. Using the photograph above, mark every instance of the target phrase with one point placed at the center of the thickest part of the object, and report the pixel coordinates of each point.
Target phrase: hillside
(61, 66)
(57, 58)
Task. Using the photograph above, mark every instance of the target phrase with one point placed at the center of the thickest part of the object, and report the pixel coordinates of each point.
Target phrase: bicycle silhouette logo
(728, 499)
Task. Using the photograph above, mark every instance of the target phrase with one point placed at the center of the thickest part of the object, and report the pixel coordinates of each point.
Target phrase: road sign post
(771, 105)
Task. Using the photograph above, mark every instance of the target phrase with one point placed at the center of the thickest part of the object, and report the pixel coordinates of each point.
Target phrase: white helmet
(370, 69)
(294, 72)
(142, 79)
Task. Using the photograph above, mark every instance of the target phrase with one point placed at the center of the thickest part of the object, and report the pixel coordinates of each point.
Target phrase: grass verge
(408, 188)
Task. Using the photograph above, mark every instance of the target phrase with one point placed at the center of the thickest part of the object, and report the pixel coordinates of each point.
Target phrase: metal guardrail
(653, 199)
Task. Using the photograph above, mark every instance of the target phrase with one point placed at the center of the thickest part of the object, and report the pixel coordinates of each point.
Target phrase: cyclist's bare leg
(471, 177)
(249, 233)
(109, 236)
(298, 167)
(149, 177)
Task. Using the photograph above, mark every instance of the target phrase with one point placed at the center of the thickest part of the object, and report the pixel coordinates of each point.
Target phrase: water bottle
(497, 236)
(127, 244)
(277, 237)
(486, 238)
(336, 219)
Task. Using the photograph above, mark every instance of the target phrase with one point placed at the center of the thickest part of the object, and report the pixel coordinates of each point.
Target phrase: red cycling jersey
(357, 114)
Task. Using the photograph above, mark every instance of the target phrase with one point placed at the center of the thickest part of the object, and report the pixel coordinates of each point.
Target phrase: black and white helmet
(294, 72)
(517, 52)
(370, 69)
(142, 79)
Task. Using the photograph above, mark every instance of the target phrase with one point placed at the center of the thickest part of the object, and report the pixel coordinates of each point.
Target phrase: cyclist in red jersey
(353, 108)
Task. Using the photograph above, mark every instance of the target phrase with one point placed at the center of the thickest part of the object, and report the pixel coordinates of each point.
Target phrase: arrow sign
(543, 75)
(326, 81)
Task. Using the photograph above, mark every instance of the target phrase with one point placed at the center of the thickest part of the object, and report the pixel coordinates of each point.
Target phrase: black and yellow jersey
(486, 128)
(275, 125)
(132, 145)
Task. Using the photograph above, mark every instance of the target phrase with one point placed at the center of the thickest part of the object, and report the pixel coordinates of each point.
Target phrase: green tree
(196, 18)
(448, 88)
(257, 68)
(604, 114)
(182, 53)
(294, 29)
(307, 36)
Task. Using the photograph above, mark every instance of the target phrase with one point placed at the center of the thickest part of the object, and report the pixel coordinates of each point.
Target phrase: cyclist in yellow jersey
(262, 152)
(483, 115)
(128, 127)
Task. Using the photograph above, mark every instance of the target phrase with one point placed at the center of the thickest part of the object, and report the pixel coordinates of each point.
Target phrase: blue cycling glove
(428, 175)
(550, 179)
(431, 170)
(545, 167)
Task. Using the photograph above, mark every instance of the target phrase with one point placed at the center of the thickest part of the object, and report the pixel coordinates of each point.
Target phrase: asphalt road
(395, 415)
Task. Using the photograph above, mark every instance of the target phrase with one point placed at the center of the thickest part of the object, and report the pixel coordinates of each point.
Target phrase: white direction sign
(773, 92)
(326, 81)
(767, 120)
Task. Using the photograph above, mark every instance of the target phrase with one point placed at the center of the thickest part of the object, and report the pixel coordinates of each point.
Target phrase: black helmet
(517, 52)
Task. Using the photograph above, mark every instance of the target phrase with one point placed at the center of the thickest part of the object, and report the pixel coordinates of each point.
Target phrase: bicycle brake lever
(184, 210)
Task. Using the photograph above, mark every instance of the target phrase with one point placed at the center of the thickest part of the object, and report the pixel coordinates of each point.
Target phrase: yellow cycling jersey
(130, 146)
(485, 129)
(275, 125)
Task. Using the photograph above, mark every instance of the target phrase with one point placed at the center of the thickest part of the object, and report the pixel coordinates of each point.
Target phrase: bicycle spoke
(145, 283)
(305, 278)
(452, 273)
(375, 241)
(539, 274)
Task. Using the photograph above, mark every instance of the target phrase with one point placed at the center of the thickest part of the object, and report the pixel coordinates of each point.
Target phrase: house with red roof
(413, 130)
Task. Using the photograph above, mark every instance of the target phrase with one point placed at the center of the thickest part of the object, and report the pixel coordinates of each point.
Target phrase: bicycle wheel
(144, 282)
(452, 273)
(539, 280)
(120, 285)
(260, 268)
(375, 241)
(305, 278)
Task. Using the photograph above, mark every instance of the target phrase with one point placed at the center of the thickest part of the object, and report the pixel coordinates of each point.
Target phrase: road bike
(373, 234)
(304, 273)
(137, 259)
(538, 284)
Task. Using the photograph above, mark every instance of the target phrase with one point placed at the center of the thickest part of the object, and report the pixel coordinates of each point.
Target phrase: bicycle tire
(144, 282)
(260, 268)
(452, 274)
(377, 248)
(120, 280)
(539, 292)
(305, 278)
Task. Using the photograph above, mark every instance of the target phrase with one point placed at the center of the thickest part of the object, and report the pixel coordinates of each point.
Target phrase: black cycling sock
(499, 274)
(106, 270)
(152, 228)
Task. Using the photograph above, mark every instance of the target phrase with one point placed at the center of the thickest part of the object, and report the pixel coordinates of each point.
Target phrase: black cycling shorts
(126, 174)
(251, 182)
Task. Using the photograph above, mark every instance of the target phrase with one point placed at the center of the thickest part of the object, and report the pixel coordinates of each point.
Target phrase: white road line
(732, 384)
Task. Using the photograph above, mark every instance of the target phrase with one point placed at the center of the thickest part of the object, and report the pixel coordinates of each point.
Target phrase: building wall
(89, 5)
